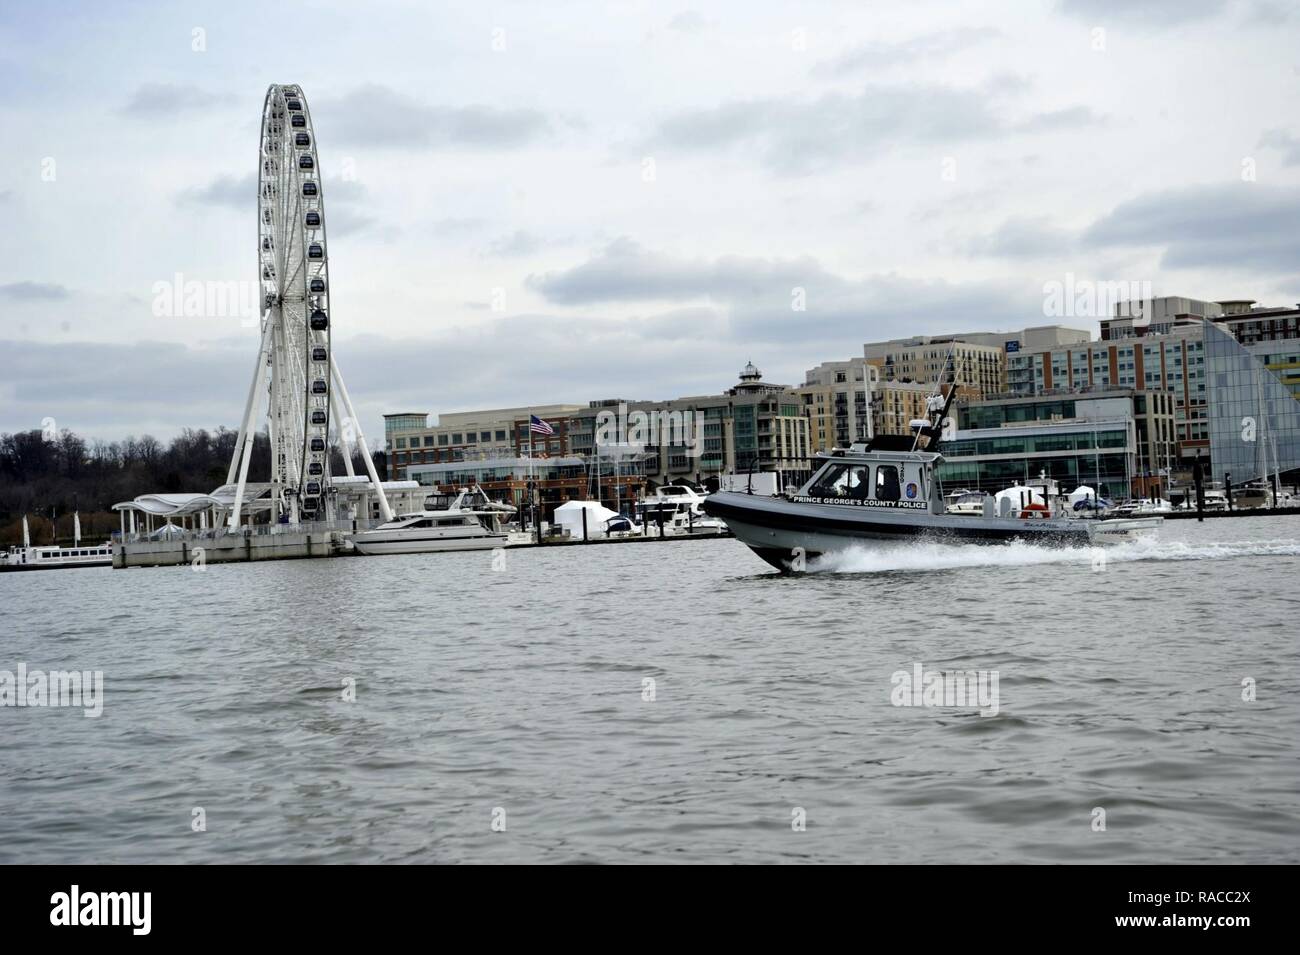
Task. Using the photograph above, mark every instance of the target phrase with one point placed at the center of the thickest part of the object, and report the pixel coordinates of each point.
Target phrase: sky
(542, 203)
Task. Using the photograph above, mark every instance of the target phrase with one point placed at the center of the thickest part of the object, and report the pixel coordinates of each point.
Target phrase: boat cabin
(875, 479)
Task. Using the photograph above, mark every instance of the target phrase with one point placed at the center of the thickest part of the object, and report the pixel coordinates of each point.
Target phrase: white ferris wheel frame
(305, 392)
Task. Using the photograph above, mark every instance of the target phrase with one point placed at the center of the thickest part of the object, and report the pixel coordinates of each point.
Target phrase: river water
(670, 702)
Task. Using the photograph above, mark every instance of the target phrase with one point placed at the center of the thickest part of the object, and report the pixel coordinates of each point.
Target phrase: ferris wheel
(307, 401)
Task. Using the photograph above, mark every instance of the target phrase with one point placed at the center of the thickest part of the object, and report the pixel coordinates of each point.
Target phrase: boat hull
(397, 543)
(780, 530)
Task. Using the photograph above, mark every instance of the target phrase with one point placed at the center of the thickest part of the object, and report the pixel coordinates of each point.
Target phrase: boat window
(887, 483)
(843, 480)
(831, 482)
(860, 481)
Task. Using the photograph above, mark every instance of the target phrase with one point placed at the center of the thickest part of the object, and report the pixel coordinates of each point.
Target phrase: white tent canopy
(1081, 493)
(1022, 496)
(569, 516)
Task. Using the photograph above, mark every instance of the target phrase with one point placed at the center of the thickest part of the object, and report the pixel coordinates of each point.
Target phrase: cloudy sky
(535, 203)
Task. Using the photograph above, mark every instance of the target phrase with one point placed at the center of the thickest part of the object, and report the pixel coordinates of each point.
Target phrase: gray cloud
(168, 99)
(1248, 226)
(759, 296)
(1070, 117)
(689, 21)
(1284, 142)
(236, 192)
(1023, 238)
(689, 350)
(110, 406)
(380, 117)
(867, 57)
(516, 243)
(624, 271)
(33, 292)
(799, 137)
(345, 215)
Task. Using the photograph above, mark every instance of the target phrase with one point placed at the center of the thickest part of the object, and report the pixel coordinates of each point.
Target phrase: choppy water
(522, 690)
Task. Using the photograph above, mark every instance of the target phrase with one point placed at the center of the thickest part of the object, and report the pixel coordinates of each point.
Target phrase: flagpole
(532, 509)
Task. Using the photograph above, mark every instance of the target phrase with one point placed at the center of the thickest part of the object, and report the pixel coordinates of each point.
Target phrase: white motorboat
(56, 558)
(463, 520)
(964, 501)
(1261, 493)
(680, 509)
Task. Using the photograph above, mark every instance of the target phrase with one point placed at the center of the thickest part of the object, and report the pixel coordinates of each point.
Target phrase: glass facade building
(1099, 454)
(1254, 419)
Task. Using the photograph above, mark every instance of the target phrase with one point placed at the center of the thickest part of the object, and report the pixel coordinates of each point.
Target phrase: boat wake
(913, 557)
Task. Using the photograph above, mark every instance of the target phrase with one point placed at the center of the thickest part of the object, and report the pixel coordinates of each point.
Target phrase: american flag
(537, 426)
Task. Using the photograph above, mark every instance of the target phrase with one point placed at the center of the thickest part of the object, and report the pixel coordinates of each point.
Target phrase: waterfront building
(978, 368)
(839, 398)
(754, 425)
(1124, 437)
(557, 480)
(1156, 316)
(1162, 346)
(898, 404)
(1076, 440)
(471, 435)
(1254, 418)
(1271, 335)
(1173, 361)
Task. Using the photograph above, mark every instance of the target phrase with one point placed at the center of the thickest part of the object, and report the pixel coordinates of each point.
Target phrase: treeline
(44, 474)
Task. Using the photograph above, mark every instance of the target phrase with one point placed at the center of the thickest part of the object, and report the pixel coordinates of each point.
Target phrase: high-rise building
(978, 368)
(839, 398)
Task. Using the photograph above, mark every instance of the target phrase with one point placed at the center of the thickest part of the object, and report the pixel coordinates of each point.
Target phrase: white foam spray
(930, 556)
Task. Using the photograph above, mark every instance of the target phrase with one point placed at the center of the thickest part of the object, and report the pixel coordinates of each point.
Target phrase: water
(521, 690)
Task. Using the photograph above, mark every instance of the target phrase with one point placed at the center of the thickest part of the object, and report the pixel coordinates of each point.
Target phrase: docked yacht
(463, 520)
(886, 490)
(680, 509)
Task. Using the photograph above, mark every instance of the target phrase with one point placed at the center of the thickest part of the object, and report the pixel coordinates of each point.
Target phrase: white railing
(255, 531)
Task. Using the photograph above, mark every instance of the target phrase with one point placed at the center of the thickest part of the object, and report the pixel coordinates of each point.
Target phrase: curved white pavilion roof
(256, 496)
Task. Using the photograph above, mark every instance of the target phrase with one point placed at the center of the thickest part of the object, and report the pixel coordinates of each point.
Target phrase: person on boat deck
(858, 483)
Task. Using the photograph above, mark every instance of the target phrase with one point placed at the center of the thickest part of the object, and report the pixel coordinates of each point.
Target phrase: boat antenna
(935, 429)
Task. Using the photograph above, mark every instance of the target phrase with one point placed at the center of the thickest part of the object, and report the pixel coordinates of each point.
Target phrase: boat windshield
(844, 480)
